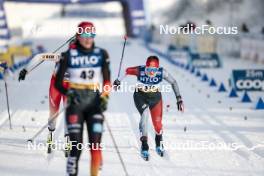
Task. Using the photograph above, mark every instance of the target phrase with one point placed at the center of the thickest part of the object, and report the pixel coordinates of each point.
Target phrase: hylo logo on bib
(84, 60)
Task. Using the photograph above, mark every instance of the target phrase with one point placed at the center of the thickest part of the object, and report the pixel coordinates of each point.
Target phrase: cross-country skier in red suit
(148, 96)
(55, 98)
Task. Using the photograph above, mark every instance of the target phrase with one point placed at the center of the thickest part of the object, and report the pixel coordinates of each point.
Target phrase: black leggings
(145, 100)
(76, 116)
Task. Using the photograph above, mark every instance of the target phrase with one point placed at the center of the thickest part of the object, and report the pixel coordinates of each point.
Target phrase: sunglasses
(152, 69)
(87, 35)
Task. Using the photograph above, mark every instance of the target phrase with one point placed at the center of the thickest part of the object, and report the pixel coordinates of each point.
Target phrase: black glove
(73, 97)
(104, 102)
(116, 84)
(180, 105)
(22, 74)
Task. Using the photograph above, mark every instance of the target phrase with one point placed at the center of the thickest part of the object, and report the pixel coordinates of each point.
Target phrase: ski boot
(144, 148)
(67, 148)
(159, 145)
(145, 154)
(50, 142)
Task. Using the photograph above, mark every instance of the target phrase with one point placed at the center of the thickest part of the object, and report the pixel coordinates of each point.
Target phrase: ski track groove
(242, 138)
(204, 114)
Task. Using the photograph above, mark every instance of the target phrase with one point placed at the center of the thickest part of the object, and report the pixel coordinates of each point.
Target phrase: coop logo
(205, 63)
(249, 84)
(251, 80)
(205, 60)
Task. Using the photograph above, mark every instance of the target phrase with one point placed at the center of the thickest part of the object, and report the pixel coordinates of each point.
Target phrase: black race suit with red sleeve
(148, 96)
(86, 69)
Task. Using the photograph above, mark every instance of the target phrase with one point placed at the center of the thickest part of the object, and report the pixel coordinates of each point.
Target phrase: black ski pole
(7, 104)
(122, 56)
(69, 40)
(46, 125)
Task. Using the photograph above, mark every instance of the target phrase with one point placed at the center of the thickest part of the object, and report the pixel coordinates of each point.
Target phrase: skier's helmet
(86, 29)
(152, 61)
(152, 66)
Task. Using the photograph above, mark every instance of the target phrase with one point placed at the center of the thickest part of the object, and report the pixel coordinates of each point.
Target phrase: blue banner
(211, 60)
(249, 79)
(178, 53)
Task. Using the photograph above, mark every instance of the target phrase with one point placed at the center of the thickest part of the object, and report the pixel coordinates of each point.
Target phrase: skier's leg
(156, 116)
(95, 130)
(66, 133)
(143, 124)
(139, 99)
(74, 121)
(142, 107)
(54, 104)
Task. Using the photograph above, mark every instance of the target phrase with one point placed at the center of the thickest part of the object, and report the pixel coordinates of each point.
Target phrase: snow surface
(209, 116)
(205, 118)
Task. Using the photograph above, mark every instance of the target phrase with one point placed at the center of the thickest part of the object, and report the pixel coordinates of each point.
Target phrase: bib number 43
(87, 74)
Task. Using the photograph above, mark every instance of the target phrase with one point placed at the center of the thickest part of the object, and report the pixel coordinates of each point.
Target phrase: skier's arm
(129, 71)
(175, 87)
(32, 63)
(60, 74)
(167, 77)
(132, 71)
(106, 73)
(35, 61)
